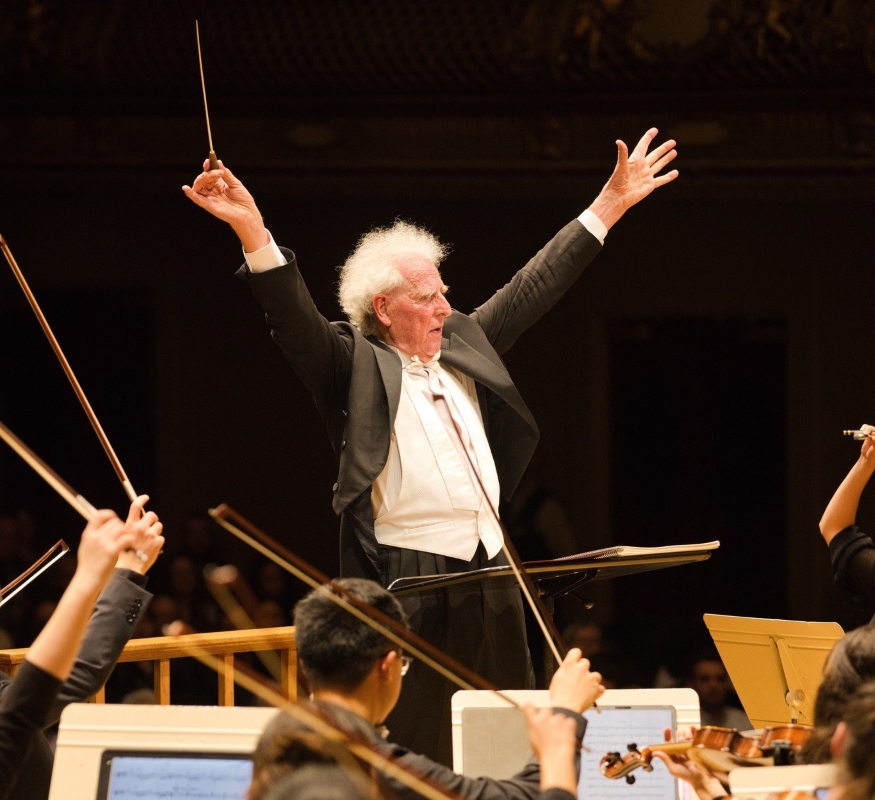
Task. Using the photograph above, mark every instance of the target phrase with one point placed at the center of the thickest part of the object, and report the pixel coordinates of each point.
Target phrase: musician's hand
(573, 686)
(553, 738)
(705, 785)
(219, 192)
(148, 540)
(867, 451)
(102, 540)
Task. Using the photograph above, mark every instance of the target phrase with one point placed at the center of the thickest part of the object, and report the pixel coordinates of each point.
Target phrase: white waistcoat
(425, 497)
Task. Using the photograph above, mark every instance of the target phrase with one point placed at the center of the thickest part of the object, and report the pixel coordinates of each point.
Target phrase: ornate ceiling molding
(122, 52)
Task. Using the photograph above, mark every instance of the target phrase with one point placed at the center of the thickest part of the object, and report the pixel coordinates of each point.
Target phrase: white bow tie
(416, 363)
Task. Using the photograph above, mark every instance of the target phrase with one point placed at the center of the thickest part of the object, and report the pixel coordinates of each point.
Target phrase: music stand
(560, 576)
(775, 665)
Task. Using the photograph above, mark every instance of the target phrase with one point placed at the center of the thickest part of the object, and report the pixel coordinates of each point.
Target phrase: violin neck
(669, 748)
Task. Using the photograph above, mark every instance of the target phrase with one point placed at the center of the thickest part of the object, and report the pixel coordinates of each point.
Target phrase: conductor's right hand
(219, 192)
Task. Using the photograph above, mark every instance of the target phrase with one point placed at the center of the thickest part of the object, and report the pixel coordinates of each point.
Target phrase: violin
(779, 745)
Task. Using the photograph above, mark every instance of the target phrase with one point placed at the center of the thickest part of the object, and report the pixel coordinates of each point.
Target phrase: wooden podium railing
(225, 644)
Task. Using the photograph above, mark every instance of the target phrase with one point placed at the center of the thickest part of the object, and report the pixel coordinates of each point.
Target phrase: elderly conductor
(417, 400)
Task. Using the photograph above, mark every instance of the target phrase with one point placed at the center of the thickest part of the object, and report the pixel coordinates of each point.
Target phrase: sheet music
(613, 730)
(163, 778)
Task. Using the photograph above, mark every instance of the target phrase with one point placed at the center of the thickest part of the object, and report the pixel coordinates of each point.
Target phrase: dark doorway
(698, 453)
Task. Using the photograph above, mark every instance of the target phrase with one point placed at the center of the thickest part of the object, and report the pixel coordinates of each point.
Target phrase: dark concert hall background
(692, 386)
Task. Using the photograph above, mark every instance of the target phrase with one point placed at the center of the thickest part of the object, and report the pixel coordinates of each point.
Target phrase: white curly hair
(372, 268)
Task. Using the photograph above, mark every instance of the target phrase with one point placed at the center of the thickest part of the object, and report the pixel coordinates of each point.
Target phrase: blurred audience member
(536, 518)
(586, 636)
(198, 542)
(709, 678)
(272, 582)
(195, 604)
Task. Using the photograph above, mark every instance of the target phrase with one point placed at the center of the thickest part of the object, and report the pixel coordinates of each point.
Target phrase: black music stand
(561, 576)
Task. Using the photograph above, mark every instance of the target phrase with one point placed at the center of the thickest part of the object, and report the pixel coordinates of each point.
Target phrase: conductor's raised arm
(539, 285)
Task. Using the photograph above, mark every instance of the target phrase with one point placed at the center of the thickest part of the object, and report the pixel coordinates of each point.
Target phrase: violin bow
(527, 585)
(55, 552)
(386, 764)
(221, 582)
(76, 500)
(214, 161)
(439, 661)
(68, 371)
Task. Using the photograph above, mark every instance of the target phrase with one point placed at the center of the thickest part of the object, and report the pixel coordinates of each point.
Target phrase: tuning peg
(630, 779)
(632, 748)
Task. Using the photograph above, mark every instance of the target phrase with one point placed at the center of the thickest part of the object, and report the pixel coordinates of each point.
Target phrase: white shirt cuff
(268, 257)
(594, 225)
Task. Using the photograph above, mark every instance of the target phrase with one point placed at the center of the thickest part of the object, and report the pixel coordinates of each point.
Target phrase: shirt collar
(407, 360)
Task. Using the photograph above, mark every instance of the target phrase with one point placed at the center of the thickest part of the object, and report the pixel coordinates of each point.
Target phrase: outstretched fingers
(658, 166)
(667, 178)
(644, 143)
(658, 153)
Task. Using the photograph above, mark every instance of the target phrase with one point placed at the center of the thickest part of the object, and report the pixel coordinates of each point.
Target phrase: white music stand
(88, 730)
(507, 748)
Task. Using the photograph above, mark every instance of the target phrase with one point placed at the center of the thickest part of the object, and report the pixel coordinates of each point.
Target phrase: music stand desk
(562, 575)
(775, 665)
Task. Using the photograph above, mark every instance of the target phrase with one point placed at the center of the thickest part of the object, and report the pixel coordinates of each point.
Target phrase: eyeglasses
(406, 661)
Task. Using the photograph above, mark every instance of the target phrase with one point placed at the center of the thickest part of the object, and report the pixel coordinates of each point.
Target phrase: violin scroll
(619, 765)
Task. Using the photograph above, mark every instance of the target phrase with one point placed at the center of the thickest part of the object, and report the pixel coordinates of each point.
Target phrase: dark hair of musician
(336, 649)
(319, 782)
(850, 664)
(856, 767)
(287, 745)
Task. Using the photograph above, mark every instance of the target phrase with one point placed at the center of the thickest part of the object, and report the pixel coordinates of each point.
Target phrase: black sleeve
(852, 553)
(116, 614)
(525, 785)
(557, 794)
(537, 287)
(319, 355)
(23, 712)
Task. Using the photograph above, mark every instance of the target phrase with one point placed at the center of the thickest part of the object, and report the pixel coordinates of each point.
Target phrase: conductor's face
(412, 315)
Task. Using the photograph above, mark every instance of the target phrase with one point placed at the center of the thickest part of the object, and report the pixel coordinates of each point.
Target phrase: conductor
(416, 400)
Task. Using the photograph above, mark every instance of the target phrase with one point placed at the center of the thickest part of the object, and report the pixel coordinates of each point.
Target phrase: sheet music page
(613, 730)
(161, 778)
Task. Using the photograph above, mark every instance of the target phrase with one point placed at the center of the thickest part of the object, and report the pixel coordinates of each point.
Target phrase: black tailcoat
(356, 384)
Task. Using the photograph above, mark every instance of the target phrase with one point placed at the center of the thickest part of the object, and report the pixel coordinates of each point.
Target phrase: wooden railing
(224, 644)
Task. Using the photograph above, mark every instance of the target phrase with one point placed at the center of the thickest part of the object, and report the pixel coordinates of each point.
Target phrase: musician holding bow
(427, 425)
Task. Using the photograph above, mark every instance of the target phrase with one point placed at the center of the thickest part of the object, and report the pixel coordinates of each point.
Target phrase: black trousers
(484, 629)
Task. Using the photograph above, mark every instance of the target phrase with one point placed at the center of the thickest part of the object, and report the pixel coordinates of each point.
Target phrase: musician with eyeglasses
(355, 675)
